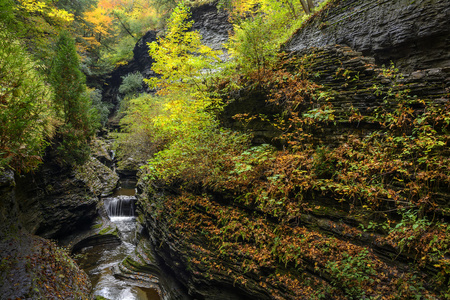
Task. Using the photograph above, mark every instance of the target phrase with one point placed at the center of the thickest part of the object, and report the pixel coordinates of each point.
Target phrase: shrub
(351, 274)
(102, 109)
(259, 28)
(131, 84)
(138, 138)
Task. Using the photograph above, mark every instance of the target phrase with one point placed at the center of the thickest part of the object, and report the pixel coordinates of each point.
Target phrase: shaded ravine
(101, 262)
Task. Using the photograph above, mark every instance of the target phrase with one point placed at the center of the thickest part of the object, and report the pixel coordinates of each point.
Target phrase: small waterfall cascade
(101, 262)
(120, 206)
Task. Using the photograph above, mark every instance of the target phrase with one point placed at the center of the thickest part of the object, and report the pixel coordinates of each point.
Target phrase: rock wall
(350, 45)
(8, 206)
(55, 201)
(212, 24)
(50, 202)
(342, 49)
(35, 268)
(351, 80)
(412, 34)
(176, 251)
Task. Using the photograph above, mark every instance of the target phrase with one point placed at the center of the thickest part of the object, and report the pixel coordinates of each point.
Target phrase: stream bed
(101, 262)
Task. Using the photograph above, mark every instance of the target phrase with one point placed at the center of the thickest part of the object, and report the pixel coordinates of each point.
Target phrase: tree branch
(123, 25)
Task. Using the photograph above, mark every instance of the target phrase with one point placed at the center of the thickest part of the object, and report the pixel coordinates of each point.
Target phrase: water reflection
(127, 188)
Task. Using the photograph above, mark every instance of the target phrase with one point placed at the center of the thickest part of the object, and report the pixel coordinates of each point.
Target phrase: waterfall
(120, 206)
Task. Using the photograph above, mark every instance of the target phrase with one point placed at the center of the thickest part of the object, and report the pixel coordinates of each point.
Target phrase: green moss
(107, 230)
(97, 226)
(115, 232)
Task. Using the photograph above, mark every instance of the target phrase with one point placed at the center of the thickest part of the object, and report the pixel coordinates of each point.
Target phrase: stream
(99, 262)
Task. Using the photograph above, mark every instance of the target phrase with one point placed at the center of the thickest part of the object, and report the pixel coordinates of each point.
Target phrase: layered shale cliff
(322, 222)
(412, 34)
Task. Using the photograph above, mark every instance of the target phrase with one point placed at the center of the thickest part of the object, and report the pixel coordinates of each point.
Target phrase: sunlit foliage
(113, 28)
(180, 120)
(259, 28)
(46, 8)
(182, 61)
(180, 56)
(35, 23)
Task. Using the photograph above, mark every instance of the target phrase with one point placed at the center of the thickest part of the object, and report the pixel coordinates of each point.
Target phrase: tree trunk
(310, 5)
(305, 6)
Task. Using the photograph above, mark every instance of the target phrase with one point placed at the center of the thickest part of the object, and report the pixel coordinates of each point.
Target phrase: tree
(112, 28)
(308, 4)
(165, 7)
(71, 101)
(259, 28)
(180, 120)
(182, 62)
(26, 112)
(252, 45)
(244, 7)
(35, 23)
(180, 57)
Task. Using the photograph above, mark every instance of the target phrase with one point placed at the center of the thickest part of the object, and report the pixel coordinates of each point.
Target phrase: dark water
(127, 188)
(100, 261)
(125, 191)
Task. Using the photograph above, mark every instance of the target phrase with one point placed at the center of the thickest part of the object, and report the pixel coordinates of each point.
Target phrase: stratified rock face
(212, 24)
(142, 61)
(53, 202)
(188, 255)
(351, 80)
(101, 150)
(32, 267)
(412, 34)
(348, 42)
(99, 178)
(8, 206)
(222, 245)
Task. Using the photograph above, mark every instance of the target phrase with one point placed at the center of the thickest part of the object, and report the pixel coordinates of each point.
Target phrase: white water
(100, 261)
(120, 206)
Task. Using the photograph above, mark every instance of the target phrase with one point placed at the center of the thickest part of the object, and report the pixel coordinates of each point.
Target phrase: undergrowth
(395, 177)
(258, 214)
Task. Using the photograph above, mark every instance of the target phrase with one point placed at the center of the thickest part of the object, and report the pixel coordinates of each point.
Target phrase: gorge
(322, 176)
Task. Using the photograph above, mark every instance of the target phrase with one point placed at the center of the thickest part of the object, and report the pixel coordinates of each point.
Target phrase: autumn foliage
(290, 221)
(35, 268)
